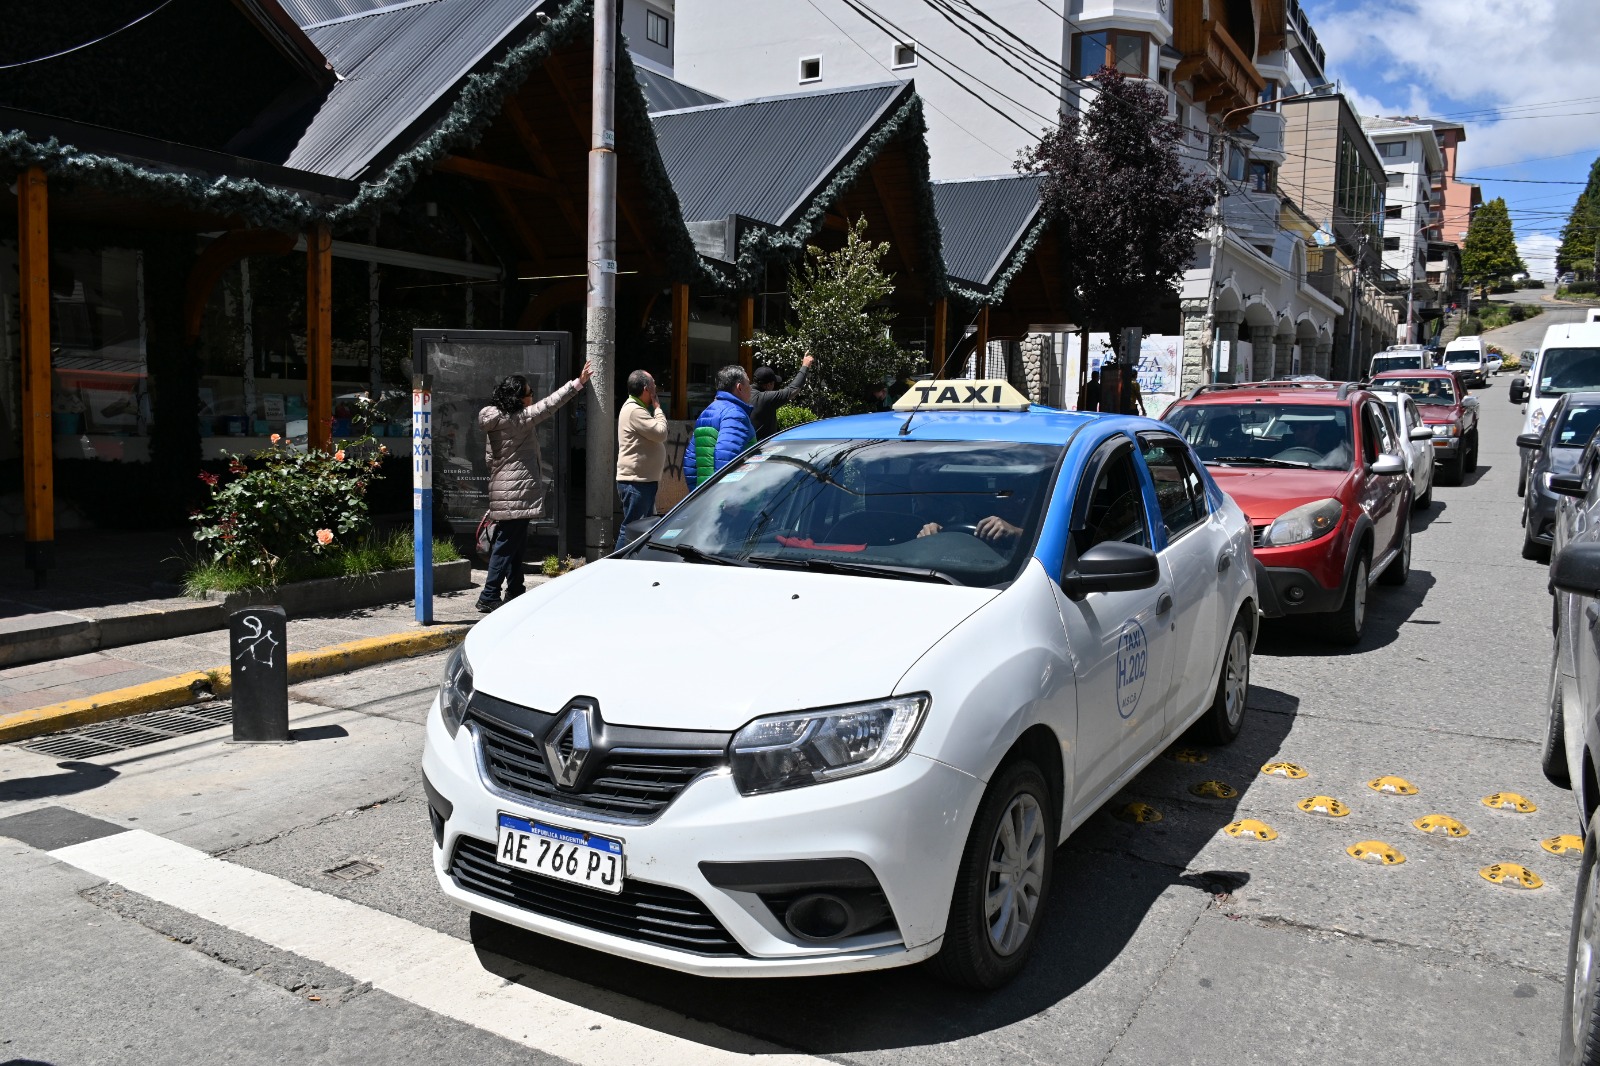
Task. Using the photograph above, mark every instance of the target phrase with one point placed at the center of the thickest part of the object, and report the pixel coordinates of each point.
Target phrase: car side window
(1110, 503)
(1180, 492)
(1372, 433)
(1413, 416)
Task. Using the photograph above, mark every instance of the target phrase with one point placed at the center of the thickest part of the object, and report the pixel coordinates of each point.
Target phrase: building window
(905, 55)
(1392, 149)
(1237, 160)
(1127, 52)
(1391, 244)
(1396, 177)
(1393, 212)
(1269, 96)
(656, 29)
(1260, 177)
(811, 69)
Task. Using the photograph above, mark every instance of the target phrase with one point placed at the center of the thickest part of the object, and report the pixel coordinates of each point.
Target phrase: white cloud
(1539, 252)
(1411, 54)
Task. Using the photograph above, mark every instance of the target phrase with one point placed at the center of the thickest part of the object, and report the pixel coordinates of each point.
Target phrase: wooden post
(319, 337)
(680, 351)
(980, 350)
(33, 261)
(941, 325)
(747, 329)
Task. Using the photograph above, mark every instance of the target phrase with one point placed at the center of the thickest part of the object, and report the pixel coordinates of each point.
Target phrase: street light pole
(600, 327)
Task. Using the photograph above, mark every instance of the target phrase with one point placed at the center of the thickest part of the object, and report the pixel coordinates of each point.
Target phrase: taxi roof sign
(960, 394)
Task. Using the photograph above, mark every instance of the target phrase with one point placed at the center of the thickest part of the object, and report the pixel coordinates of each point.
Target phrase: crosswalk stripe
(423, 966)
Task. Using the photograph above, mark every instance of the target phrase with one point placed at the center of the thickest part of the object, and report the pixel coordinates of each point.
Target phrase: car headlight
(1306, 522)
(1445, 429)
(1538, 419)
(790, 750)
(455, 690)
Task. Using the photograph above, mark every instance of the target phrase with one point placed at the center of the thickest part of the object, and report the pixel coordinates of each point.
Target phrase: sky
(1523, 77)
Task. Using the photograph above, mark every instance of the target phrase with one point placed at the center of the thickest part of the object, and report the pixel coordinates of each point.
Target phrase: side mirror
(1567, 485)
(1421, 433)
(1112, 566)
(1577, 569)
(1389, 464)
(1530, 440)
(1518, 392)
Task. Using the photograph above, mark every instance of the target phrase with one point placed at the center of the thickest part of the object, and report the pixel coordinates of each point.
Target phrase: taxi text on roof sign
(991, 394)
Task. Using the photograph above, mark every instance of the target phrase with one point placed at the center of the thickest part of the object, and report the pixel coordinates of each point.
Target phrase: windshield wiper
(694, 555)
(1254, 459)
(840, 566)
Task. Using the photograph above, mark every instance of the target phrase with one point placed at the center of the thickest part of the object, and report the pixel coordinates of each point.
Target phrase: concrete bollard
(258, 643)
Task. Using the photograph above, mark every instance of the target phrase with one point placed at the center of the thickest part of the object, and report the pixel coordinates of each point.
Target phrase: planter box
(330, 595)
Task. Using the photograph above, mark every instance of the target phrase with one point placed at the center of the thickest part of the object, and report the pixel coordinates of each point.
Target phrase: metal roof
(394, 63)
(765, 158)
(981, 222)
(307, 12)
(662, 93)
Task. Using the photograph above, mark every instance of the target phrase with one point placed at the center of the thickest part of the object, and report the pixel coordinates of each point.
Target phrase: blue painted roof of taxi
(1037, 425)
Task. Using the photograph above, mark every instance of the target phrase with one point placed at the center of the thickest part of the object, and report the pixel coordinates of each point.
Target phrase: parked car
(1555, 452)
(1318, 470)
(1468, 357)
(1417, 447)
(1448, 410)
(1567, 279)
(1046, 601)
(1492, 361)
(1568, 361)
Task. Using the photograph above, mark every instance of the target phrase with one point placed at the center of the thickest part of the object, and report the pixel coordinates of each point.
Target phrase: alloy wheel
(1360, 593)
(1584, 977)
(1238, 682)
(1016, 874)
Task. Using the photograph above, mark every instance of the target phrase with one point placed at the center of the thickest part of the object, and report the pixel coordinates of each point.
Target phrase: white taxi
(838, 708)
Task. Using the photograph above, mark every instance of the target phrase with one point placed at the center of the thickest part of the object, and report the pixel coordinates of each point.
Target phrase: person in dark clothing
(769, 397)
(1132, 398)
(1091, 393)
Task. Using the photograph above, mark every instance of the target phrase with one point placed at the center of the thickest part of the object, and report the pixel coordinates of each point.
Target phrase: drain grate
(107, 738)
(352, 870)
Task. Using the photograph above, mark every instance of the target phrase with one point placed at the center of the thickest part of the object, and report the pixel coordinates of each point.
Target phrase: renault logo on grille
(567, 746)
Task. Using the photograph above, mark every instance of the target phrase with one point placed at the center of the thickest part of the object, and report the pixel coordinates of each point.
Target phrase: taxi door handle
(1223, 562)
(1164, 604)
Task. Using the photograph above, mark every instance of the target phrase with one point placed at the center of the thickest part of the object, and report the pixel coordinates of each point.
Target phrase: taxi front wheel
(1002, 882)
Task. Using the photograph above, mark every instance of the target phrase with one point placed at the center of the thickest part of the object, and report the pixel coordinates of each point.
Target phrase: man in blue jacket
(723, 429)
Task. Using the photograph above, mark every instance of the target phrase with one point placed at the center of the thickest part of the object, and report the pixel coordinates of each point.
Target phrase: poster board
(1160, 358)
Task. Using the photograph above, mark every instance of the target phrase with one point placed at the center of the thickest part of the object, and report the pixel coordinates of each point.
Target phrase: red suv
(1441, 396)
(1316, 466)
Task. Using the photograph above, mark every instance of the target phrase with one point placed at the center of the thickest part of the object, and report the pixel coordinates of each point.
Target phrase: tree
(1128, 207)
(1578, 252)
(1490, 251)
(839, 313)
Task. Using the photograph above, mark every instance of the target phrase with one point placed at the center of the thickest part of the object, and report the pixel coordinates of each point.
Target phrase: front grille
(626, 784)
(650, 913)
(1256, 533)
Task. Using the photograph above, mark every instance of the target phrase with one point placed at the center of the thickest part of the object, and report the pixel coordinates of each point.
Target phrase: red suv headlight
(1306, 522)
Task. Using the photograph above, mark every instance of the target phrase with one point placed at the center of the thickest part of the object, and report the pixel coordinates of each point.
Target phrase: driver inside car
(993, 527)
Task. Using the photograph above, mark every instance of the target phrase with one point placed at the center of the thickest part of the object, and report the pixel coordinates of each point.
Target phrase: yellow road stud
(1214, 790)
(1394, 786)
(1139, 813)
(1429, 822)
(1564, 844)
(1375, 851)
(1510, 875)
(1326, 805)
(1188, 755)
(1249, 827)
(1501, 801)
(1293, 771)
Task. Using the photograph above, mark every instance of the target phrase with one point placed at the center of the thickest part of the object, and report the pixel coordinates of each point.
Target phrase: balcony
(1251, 216)
(1223, 74)
(1268, 127)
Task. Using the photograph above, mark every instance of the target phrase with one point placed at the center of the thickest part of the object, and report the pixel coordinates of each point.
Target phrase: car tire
(1400, 567)
(1351, 618)
(1223, 720)
(1580, 1028)
(974, 954)
(1425, 501)
(1534, 551)
(1454, 469)
(1470, 448)
(1553, 753)
(1522, 480)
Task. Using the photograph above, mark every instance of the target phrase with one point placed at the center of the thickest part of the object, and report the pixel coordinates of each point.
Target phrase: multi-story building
(1413, 215)
(1457, 200)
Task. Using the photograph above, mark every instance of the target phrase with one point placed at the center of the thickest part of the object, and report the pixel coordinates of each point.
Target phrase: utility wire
(86, 44)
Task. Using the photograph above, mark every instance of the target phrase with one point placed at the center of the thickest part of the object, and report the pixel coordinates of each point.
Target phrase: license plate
(569, 855)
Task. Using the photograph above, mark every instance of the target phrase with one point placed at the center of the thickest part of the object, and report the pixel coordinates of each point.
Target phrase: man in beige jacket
(641, 451)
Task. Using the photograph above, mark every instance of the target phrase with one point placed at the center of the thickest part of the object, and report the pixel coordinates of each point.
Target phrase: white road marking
(420, 965)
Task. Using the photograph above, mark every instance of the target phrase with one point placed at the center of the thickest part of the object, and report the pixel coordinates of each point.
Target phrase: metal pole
(600, 328)
(422, 495)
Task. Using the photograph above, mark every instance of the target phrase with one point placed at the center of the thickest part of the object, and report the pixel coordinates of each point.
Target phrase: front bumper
(908, 823)
(1280, 585)
(1445, 448)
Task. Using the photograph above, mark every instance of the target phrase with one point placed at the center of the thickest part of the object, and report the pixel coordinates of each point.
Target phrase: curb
(182, 689)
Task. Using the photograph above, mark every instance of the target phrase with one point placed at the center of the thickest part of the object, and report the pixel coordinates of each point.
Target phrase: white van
(1407, 357)
(1593, 315)
(1568, 361)
(1468, 357)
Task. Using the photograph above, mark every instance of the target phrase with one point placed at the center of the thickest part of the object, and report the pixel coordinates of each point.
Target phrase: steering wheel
(1298, 454)
(969, 528)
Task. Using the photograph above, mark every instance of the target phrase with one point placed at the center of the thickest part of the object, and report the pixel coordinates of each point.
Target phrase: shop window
(656, 28)
(905, 55)
(100, 390)
(810, 69)
(1127, 52)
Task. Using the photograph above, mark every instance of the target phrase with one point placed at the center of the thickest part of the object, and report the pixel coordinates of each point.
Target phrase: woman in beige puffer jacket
(517, 488)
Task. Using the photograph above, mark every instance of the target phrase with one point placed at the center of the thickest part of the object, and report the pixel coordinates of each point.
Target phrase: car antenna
(905, 427)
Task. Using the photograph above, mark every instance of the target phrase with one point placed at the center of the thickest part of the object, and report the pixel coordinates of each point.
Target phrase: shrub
(1471, 327)
(1518, 312)
(551, 566)
(791, 415)
(370, 556)
(1580, 288)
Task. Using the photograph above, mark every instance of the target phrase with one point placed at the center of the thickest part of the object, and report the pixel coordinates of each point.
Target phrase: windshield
(963, 512)
(1568, 370)
(1267, 434)
(1577, 426)
(1380, 363)
(1461, 357)
(1424, 391)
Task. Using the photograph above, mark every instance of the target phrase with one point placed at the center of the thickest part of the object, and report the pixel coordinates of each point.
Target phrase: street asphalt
(1167, 942)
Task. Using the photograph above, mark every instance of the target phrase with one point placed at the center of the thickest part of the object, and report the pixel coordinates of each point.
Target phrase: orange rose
(324, 536)
(276, 438)
(339, 455)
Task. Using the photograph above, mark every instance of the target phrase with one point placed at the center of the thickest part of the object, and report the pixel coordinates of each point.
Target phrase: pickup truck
(1448, 410)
